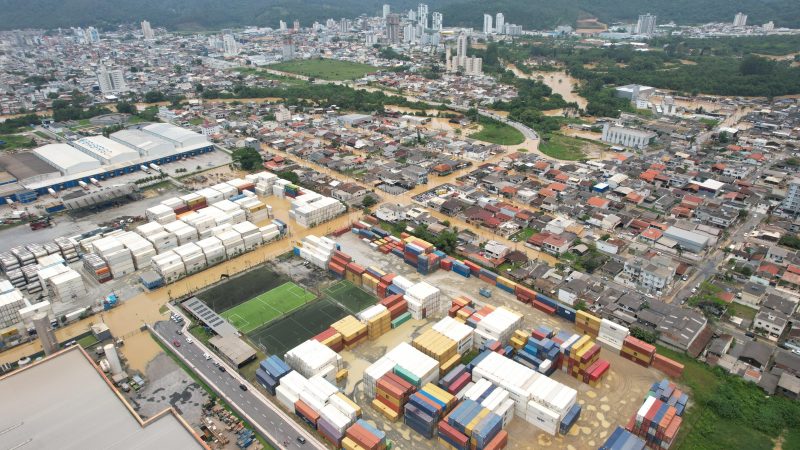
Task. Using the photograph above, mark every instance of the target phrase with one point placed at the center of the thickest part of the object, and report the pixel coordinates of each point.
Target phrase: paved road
(272, 422)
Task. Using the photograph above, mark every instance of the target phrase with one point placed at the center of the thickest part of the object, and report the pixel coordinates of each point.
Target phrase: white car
(694, 290)
(206, 356)
(189, 340)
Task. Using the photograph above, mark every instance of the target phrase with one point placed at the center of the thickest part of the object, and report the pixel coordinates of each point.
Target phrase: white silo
(113, 359)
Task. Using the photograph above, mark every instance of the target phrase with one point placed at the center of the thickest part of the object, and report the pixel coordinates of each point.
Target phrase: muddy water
(139, 350)
(559, 82)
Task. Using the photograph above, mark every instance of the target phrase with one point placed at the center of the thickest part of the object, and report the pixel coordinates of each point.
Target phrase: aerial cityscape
(353, 225)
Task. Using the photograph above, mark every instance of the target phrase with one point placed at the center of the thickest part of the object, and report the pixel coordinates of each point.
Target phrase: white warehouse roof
(148, 145)
(181, 137)
(66, 159)
(106, 150)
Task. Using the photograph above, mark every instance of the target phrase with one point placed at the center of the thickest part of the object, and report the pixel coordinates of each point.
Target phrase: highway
(271, 422)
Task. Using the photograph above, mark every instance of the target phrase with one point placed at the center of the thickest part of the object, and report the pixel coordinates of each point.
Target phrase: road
(271, 421)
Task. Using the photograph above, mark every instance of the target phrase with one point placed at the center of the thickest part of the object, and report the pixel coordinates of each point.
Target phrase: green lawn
(726, 412)
(197, 120)
(268, 306)
(15, 141)
(496, 132)
(745, 312)
(87, 342)
(325, 69)
(563, 147)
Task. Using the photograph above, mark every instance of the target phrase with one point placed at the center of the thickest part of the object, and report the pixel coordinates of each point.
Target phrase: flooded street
(559, 82)
(139, 350)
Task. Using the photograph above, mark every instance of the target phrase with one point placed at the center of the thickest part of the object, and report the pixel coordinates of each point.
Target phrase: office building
(393, 28)
(387, 9)
(229, 45)
(147, 31)
(791, 203)
(740, 20)
(111, 81)
(422, 14)
(436, 21)
(296, 26)
(646, 24)
(461, 62)
(345, 25)
(499, 23)
(629, 137)
(487, 23)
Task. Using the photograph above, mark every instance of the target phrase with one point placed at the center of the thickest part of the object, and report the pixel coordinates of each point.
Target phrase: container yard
(536, 373)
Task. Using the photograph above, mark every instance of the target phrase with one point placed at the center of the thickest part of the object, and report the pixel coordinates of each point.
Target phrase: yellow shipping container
(349, 444)
(444, 396)
(584, 317)
(474, 422)
(341, 375)
(517, 343)
(635, 354)
(450, 363)
(385, 410)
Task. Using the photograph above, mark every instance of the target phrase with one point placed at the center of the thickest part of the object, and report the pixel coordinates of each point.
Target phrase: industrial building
(56, 167)
(56, 410)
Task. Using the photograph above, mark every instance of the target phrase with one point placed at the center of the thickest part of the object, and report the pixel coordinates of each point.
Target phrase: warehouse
(67, 159)
(105, 150)
(233, 349)
(55, 411)
(147, 145)
(98, 158)
(688, 240)
(212, 320)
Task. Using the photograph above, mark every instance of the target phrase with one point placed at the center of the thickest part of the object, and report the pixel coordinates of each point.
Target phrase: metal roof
(210, 318)
(66, 159)
(180, 136)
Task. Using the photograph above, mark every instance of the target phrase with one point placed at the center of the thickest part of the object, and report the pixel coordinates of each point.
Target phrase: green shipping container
(406, 375)
(401, 319)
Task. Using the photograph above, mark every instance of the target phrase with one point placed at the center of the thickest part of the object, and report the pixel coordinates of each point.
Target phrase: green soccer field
(268, 306)
(350, 296)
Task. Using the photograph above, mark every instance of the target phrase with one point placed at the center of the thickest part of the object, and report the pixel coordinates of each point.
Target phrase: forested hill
(532, 14)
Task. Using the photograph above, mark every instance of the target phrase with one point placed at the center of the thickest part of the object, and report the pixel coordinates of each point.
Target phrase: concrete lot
(168, 385)
(610, 404)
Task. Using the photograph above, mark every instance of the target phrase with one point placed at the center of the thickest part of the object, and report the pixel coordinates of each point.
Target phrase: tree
(446, 241)
(640, 333)
(154, 97)
(290, 176)
(368, 201)
(126, 107)
(247, 158)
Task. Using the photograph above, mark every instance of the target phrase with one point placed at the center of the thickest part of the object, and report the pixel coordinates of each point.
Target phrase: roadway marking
(264, 415)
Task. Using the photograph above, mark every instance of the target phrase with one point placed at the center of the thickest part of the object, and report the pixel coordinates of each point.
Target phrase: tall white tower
(147, 31)
(436, 21)
(499, 23)
(740, 20)
(487, 23)
(387, 9)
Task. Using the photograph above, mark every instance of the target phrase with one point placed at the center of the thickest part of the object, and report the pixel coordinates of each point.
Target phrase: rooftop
(68, 403)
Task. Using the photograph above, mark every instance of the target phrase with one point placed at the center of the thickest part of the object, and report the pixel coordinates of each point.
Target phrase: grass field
(496, 132)
(350, 296)
(299, 326)
(240, 289)
(563, 147)
(15, 141)
(325, 69)
(264, 308)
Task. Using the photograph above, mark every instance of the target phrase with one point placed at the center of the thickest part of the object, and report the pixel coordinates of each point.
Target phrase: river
(560, 82)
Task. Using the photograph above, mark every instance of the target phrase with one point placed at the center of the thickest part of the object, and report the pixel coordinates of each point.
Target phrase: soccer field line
(243, 323)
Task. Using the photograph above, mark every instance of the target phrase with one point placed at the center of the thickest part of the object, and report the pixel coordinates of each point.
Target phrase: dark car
(176, 343)
(222, 368)
(242, 387)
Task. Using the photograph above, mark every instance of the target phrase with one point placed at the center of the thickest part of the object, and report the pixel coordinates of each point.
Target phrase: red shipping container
(474, 268)
(634, 359)
(336, 268)
(391, 388)
(446, 264)
(672, 429)
(524, 299)
(200, 205)
(404, 235)
(638, 345)
(498, 442)
(397, 310)
(459, 383)
(600, 370)
(355, 268)
(392, 300)
(668, 366)
(452, 433)
(594, 351)
(388, 278)
(363, 437)
(453, 310)
(486, 279)
(325, 334)
(405, 385)
(182, 209)
(306, 411)
(544, 308)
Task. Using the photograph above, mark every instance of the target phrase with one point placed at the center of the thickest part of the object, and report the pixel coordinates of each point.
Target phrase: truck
(83, 185)
(144, 168)
(486, 292)
(40, 222)
(94, 181)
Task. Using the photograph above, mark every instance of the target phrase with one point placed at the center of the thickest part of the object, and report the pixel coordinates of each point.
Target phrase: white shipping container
(543, 418)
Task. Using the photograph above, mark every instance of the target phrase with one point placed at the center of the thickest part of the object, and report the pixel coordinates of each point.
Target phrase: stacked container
(338, 263)
(242, 185)
(313, 358)
(425, 408)
(352, 330)
(270, 371)
(612, 334)
(423, 300)
(638, 351)
(169, 265)
(211, 195)
(588, 323)
(310, 209)
(255, 210)
(316, 250)
(397, 306)
(263, 182)
(332, 339)
(184, 233)
(668, 366)
(213, 250)
(391, 395)
(225, 189)
(439, 347)
(251, 235)
(194, 201)
(362, 435)
(67, 286)
(377, 319)
(233, 243)
(657, 422)
(270, 232)
(231, 209)
(354, 273)
(8, 262)
(406, 362)
(192, 256)
(68, 247)
(497, 325)
(457, 331)
(161, 214)
(621, 439)
(96, 267)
